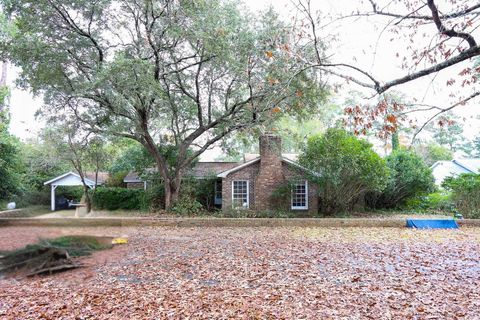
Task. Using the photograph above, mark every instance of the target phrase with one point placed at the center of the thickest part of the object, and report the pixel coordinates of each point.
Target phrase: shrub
(240, 213)
(155, 196)
(196, 196)
(187, 206)
(437, 201)
(281, 197)
(465, 193)
(119, 198)
(42, 197)
(348, 168)
(32, 197)
(10, 163)
(74, 193)
(204, 192)
(409, 177)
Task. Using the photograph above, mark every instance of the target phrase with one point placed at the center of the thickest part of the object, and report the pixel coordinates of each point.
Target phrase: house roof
(200, 170)
(471, 164)
(205, 169)
(443, 169)
(132, 176)
(101, 178)
(224, 174)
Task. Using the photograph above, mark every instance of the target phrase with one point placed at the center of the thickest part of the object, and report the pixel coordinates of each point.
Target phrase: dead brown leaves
(262, 273)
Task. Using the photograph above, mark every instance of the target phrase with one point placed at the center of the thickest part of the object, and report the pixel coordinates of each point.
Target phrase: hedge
(119, 198)
(465, 193)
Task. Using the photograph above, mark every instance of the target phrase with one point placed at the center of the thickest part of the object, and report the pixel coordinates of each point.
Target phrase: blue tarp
(432, 224)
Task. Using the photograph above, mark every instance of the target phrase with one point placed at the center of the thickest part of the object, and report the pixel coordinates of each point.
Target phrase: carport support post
(52, 196)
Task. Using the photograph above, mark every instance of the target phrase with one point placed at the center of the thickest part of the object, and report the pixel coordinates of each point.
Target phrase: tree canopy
(164, 73)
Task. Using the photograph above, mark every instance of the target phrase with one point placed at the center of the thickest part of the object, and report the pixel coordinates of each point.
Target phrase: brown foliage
(261, 273)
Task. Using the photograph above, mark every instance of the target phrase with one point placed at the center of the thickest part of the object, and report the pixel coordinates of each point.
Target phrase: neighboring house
(444, 169)
(250, 184)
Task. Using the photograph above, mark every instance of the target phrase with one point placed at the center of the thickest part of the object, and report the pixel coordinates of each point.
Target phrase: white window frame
(305, 207)
(248, 194)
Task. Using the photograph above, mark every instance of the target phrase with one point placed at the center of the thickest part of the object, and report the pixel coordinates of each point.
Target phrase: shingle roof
(205, 169)
(200, 170)
(101, 179)
(132, 177)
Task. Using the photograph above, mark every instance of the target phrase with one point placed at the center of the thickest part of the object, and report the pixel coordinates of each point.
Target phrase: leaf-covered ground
(298, 273)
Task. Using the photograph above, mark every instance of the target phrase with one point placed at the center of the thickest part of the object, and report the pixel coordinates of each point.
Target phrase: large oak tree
(168, 74)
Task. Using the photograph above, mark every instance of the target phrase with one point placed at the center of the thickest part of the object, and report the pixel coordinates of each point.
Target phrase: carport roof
(89, 180)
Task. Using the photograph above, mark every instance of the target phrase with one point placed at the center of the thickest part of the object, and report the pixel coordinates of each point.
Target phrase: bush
(281, 197)
(187, 206)
(465, 193)
(240, 213)
(437, 202)
(348, 167)
(10, 164)
(70, 192)
(42, 197)
(118, 198)
(409, 177)
(155, 196)
(196, 196)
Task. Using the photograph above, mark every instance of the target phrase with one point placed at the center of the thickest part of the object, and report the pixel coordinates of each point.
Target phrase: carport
(67, 179)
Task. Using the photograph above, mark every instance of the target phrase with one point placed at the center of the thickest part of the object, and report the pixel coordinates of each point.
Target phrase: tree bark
(172, 191)
(88, 201)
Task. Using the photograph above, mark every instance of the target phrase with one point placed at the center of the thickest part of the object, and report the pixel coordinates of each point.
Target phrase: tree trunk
(172, 192)
(88, 201)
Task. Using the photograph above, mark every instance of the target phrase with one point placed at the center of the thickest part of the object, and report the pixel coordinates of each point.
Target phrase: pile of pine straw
(50, 255)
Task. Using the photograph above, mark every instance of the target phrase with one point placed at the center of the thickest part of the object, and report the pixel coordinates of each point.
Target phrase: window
(240, 194)
(300, 195)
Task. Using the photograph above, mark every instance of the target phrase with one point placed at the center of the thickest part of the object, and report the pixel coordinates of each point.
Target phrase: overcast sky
(357, 42)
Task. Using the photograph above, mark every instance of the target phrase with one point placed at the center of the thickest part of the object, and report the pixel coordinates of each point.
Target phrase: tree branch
(449, 32)
(462, 102)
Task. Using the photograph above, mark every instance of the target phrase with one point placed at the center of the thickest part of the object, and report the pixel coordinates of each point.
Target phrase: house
(253, 183)
(444, 169)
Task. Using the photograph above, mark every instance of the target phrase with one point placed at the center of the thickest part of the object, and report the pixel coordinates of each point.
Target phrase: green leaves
(195, 71)
(348, 169)
(465, 193)
(10, 165)
(409, 177)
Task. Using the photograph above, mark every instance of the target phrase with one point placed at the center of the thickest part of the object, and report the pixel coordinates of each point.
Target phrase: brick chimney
(270, 175)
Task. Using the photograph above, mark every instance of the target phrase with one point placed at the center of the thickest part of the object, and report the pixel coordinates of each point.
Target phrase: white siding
(444, 169)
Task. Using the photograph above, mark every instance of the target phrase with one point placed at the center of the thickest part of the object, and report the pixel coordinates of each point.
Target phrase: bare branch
(462, 102)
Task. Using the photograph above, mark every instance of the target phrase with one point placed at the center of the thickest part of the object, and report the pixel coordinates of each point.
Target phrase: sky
(357, 42)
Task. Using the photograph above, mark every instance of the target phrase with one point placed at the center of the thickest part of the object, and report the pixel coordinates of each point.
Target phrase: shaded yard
(378, 273)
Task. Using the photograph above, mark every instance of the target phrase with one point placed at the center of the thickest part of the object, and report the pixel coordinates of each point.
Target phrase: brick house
(255, 183)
